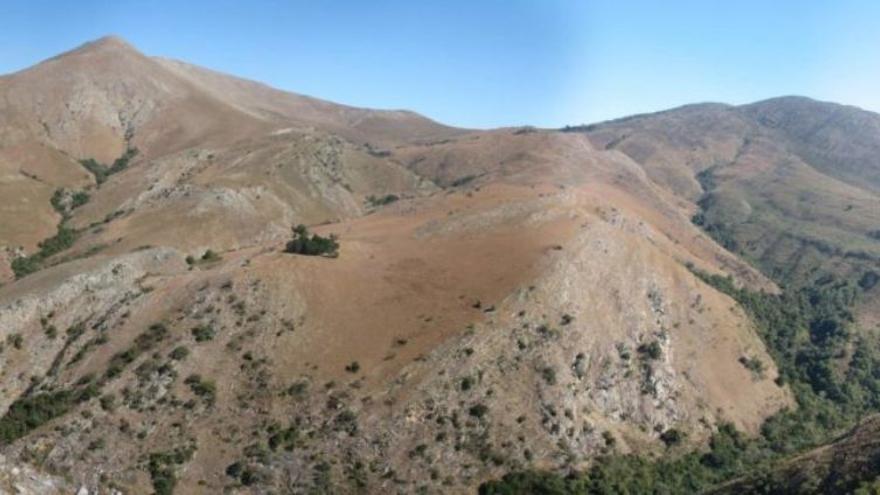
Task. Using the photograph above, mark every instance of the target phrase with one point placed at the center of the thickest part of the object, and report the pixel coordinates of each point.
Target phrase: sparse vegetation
(143, 343)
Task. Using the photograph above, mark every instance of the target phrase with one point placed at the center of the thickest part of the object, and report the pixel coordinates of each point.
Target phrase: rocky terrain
(502, 300)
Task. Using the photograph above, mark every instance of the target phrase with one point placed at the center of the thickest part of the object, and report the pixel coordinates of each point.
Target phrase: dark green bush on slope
(63, 239)
(102, 172)
(313, 245)
(33, 410)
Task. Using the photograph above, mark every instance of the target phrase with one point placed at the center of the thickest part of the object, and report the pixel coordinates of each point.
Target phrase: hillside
(501, 301)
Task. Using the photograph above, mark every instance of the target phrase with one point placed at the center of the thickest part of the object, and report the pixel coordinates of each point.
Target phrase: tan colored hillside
(525, 302)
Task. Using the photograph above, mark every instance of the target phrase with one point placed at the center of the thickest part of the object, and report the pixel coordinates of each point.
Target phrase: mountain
(790, 184)
(500, 301)
(104, 98)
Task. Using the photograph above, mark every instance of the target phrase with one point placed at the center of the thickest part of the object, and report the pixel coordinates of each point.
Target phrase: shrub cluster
(313, 245)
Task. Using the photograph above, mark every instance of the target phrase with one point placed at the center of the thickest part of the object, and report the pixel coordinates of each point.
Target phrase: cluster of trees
(34, 409)
(63, 239)
(102, 172)
(312, 245)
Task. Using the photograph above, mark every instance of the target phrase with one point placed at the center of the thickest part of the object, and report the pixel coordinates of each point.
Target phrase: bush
(651, 350)
(162, 469)
(78, 199)
(203, 388)
(203, 333)
(312, 246)
(672, 437)
(179, 353)
(753, 364)
(549, 375)
(382, 200)
(234, 470)
(478, 410)
(210, 256)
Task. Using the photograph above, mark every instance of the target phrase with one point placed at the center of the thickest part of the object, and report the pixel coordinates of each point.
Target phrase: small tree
(313, 245)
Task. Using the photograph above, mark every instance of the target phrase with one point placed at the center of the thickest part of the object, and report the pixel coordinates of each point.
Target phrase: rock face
(501, 299)
(21, 479)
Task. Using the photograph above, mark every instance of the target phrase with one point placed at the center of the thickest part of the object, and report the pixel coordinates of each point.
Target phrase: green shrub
(108, 402)
(234, 470)
(162, 467)
(753, 364)
(672, 437)
(96, 168)
(651, 350)
(203, 333)
(179, 353)
(102, 172)
(78, 199)
(466, 383)
(63, 239)
(478, 410)
(203, 388)
(548, 373)
(382, 200)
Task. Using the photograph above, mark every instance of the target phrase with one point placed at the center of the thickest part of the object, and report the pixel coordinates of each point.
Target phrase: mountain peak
(109, 42)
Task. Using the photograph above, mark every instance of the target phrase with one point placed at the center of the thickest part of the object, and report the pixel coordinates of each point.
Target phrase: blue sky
(492, 62)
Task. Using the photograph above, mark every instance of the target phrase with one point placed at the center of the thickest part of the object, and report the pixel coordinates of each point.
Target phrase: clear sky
(487, 63)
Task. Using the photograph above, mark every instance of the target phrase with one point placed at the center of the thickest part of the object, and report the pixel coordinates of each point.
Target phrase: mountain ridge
(499, 300)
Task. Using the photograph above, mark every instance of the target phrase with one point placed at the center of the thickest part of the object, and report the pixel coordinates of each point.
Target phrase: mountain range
(508, 309)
